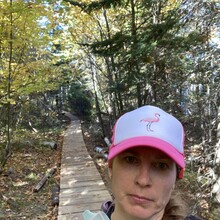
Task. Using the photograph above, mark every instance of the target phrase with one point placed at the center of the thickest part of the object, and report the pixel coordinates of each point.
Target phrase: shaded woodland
(99, 59)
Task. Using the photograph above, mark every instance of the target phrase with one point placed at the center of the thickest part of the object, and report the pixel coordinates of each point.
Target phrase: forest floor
(28, 165)
(25, 169)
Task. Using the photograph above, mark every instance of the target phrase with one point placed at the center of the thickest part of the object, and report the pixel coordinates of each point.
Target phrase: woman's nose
(143, 176)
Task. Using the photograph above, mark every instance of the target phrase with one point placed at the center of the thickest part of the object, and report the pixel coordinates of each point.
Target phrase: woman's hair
(176, 207)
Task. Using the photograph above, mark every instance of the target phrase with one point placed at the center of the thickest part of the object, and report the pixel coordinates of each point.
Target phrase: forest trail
(81, 186)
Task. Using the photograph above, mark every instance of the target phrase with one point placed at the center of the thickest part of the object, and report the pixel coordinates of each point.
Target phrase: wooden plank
(76, 216)
(75, 183)
(73, 154)
(81, 194)
(86, 171)
(75, 159)
(88, 194)
(81, 185)
(76, 145)
(80, 178)
(83, 199)
(77, 173)
(84, 191)
(81, 190)
(77, 148)
(81, 166)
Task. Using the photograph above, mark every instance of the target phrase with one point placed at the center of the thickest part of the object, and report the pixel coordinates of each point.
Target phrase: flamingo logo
(150, 121)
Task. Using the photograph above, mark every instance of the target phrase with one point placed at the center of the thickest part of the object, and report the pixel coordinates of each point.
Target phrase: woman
(145, 160)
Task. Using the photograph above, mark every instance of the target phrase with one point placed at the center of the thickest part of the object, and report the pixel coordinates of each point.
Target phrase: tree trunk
(135, 68)
(112, 75)
(98, 110)
(216, 186)
(8, 128)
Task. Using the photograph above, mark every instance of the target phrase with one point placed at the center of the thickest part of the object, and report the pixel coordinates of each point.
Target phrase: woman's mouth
(137, 199)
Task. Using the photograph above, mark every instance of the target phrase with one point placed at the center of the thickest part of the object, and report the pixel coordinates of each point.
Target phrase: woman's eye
(161, 165)
(131, 159)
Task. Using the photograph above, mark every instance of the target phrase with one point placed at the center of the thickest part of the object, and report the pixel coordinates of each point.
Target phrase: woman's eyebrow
(130, 151)
(163, 156)
(160, 155)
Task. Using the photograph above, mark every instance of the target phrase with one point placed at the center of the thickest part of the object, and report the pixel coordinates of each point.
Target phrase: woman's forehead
(146, 151)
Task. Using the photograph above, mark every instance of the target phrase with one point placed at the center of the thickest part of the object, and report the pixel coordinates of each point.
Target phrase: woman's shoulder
(109, 206)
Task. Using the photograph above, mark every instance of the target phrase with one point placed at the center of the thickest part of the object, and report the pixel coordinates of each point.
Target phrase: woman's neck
(123, 216)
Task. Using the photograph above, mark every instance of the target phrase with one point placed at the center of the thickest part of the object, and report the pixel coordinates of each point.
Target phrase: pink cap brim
(152, 142)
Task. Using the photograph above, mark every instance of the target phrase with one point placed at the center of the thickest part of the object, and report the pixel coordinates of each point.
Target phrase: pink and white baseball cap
(149, 126)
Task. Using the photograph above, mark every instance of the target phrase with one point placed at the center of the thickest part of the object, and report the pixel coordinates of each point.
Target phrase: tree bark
(216, 186)
(8, 145)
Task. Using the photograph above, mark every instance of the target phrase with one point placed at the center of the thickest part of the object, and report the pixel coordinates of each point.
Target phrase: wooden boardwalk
(81, 186)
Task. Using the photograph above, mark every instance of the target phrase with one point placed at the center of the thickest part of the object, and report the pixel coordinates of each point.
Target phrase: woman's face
(142, 182)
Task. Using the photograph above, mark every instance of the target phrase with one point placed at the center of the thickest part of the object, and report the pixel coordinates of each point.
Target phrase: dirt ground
(25, 169)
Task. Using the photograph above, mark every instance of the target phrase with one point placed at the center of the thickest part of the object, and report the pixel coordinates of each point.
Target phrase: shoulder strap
(191, 217)
(108, 208)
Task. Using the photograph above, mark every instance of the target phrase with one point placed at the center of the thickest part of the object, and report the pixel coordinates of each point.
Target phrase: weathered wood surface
(81, 186)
